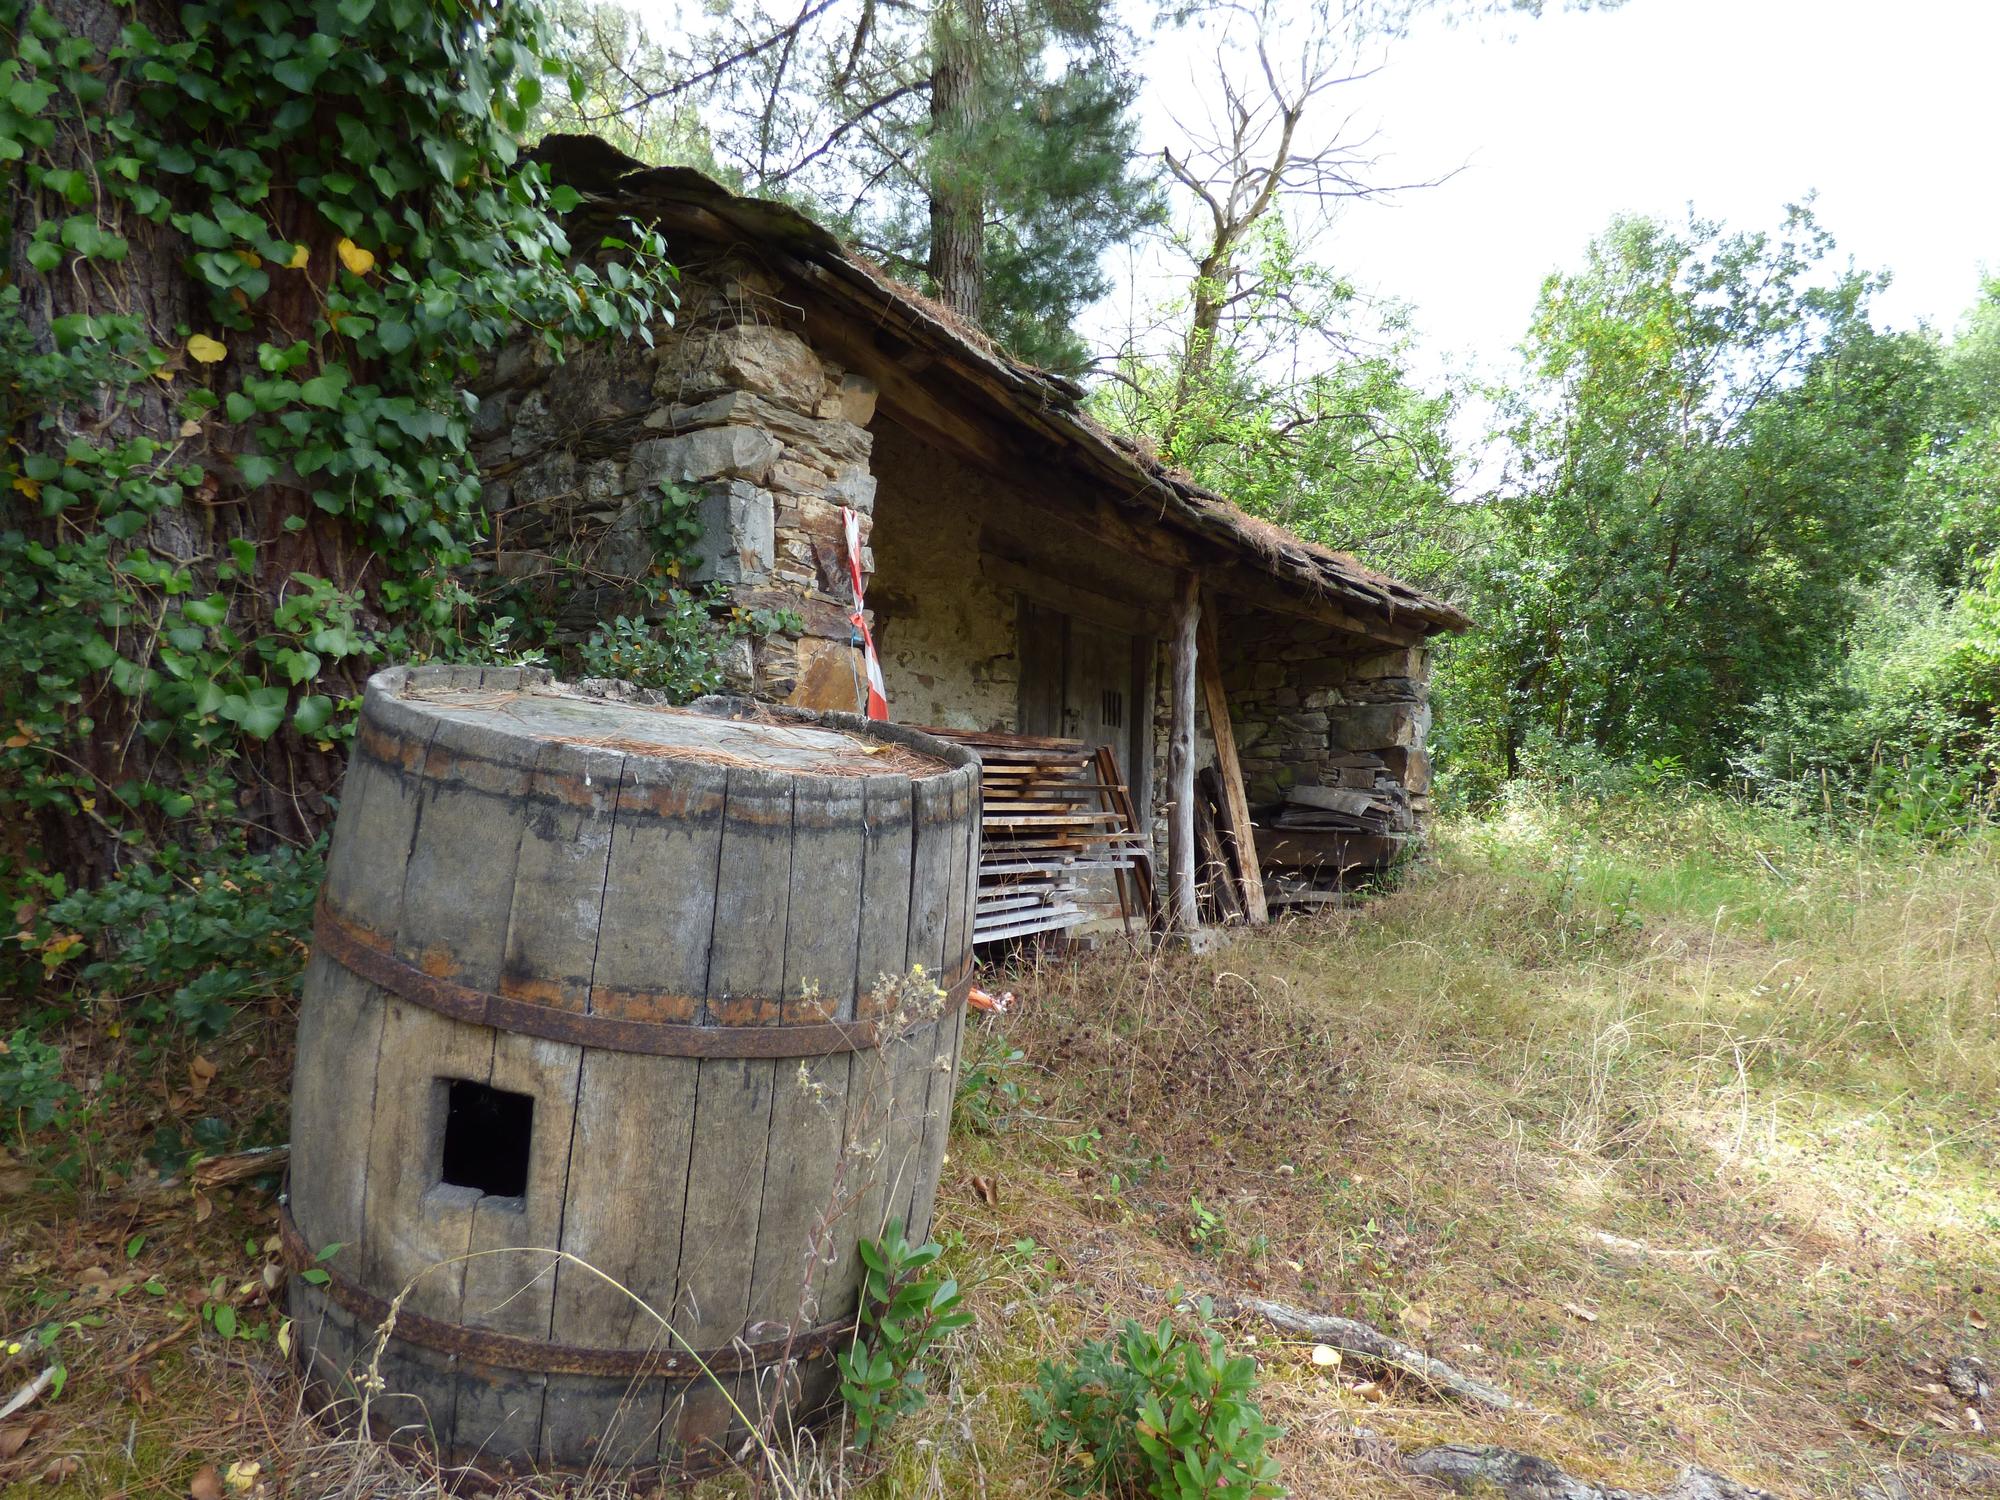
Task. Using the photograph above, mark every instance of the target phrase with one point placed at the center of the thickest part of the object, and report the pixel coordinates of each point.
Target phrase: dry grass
(1698, 1159)
(1680, 1126)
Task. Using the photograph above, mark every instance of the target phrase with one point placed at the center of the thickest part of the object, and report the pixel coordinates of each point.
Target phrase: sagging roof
(687, 204)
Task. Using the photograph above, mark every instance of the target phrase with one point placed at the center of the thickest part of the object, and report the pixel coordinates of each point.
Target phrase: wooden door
(1097, 690)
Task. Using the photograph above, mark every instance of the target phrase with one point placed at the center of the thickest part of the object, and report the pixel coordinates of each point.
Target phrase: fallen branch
(1366, 1342)
(29, 1393)
(256, 1162)
(1477, 1468)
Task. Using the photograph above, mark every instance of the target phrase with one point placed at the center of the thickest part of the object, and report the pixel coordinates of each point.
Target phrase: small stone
(857, 399)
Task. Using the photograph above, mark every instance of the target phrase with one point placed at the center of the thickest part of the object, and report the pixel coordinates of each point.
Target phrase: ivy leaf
(261, 712)
(300, 666)
(312, 714)
(211, 611)
(356, 259)
(207, 350)
(255, 468)
(324, 388)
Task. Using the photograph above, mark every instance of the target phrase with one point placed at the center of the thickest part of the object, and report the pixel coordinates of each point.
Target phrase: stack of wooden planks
(1055, 813)
(1366, 799)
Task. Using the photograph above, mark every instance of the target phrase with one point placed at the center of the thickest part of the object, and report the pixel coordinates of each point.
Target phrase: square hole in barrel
(486, 1136)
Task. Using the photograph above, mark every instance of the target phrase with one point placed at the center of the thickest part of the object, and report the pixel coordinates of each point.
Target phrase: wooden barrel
(632, 983)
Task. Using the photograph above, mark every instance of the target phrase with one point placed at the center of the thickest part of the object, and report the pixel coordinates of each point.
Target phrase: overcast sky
(1886, 108)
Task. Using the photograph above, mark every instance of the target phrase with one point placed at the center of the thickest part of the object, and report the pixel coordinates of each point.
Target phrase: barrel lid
(611, 719)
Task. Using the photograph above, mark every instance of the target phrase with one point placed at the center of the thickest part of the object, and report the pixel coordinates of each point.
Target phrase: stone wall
(734, 414)
(1308, 703)
(945, 631)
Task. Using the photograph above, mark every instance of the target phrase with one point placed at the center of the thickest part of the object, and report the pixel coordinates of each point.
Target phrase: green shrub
(188, 942)
(1159, 1415)
(905, 1314)
(678, 646)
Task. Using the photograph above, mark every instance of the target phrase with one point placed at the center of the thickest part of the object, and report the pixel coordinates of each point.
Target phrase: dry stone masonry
(1312, 710)
(728, 415)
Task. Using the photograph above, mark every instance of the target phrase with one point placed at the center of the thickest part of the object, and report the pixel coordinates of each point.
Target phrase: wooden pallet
(1055, 811)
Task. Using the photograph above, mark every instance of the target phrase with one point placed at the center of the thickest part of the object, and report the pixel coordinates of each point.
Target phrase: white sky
(1887, 108)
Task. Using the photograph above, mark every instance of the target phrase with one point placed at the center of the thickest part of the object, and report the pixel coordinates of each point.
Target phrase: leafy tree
(1955, 499)
(1302, 412)
(1708, 456)
(1270, 378)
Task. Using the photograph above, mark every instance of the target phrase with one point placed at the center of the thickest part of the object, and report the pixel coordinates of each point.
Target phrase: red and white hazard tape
(878, 700)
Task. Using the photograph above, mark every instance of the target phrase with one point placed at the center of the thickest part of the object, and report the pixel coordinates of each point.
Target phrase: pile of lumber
(1220, 896)
(1368, 799)
(1054, 813)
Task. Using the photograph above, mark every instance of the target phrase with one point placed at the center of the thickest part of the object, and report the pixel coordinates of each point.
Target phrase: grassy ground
(1672, 1121)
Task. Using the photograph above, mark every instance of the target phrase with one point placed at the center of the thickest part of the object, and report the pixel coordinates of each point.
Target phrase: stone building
(1026, 570)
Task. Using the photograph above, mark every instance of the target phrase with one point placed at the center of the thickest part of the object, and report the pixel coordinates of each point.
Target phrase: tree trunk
(281, 782)
(958, 197)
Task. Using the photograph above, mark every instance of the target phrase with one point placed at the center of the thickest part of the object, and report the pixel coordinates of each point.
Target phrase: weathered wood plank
(888, 846)
(823, 911)
(1238, 832)
(933, 870)
(628, 1174)
(559, 876)
(333, 1104)
(746, 957)
(371, 844)
(838, 1282)
(418, 1228)
(800, 1197)
(943, 1085)
(515, 1292)
(910, 1067)
(732, 1137)
(666, 844)
(1181, 908)
(458, 887)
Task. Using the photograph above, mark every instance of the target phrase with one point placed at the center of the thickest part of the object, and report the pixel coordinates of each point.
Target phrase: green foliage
(32, 1091)
(993, 1085)
(676, 647)
(906, 1312)
(1954, 511)
(1301, 411)
(1904, 725)
(359, 232)
(1156, 1414)
(1709, 453)
(186, 940)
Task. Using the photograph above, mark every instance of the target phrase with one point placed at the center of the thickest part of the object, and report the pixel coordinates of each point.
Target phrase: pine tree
(985, 149)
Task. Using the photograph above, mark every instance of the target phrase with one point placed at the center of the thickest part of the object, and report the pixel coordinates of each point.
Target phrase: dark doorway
(1086, 680)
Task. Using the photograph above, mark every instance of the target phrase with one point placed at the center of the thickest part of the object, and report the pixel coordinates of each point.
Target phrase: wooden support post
(1231, 769)
(1184, 915)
